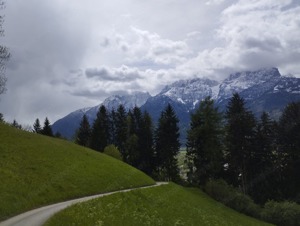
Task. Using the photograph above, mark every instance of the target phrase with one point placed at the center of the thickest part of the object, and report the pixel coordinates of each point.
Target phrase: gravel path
(38, 217)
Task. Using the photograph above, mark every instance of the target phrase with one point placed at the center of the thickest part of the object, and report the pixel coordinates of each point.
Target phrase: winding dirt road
(38, 217)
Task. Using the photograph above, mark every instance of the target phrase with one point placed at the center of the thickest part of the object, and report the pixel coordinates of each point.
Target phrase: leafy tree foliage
(112, 151)
(84, 132)
(167, 144)
(100, 136)
(47, 130)
(240, 131)
(37, 126)
(204, 143)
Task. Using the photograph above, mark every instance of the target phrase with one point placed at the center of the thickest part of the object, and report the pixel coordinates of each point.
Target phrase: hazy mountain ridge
(67, 125)
(263, 90)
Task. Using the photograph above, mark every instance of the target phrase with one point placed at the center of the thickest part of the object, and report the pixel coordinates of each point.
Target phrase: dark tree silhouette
(264, 170)
(100, 136)
(84, 132)
(146, 145)
(204, 143)
(167, 145)
(134, 122)
(121, 130)
(289, 149)
(47, 130)
(37, 126)
(240, 130)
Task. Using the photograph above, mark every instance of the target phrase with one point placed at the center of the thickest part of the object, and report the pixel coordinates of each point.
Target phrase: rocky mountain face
(263, 90)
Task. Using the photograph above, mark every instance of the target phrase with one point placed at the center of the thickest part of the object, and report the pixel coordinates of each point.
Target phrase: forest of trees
(132, 133)
(258, 156)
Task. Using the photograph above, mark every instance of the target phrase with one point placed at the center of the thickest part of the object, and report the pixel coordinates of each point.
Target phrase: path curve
(38, 217)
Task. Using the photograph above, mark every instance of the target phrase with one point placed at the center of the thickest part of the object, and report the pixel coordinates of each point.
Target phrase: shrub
(112, 151)
(282, 213)
(231, 197)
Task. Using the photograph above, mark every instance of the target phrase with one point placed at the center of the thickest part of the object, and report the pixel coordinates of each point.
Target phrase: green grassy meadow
(165, 205)
(36, 170)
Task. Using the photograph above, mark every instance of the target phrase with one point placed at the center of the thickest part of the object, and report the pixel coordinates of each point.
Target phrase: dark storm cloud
(269, 45)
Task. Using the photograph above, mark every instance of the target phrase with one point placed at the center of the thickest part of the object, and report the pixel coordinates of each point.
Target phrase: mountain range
(263, 90)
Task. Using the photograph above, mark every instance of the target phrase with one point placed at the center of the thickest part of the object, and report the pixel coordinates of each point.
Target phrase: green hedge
(282, 213)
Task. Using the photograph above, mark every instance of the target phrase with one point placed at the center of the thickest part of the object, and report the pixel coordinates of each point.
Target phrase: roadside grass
(36, 170)
(165, 205)
(182, 165)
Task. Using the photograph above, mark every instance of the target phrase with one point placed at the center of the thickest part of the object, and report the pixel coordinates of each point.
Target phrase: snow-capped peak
(128, 101)
(191, 92)
(243, 80)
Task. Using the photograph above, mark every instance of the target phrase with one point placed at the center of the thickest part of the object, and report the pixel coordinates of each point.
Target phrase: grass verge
(36, 170)
(165, 205)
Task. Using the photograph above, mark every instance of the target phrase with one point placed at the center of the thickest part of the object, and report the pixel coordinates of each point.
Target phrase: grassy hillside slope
(36, 170)
(165, 205)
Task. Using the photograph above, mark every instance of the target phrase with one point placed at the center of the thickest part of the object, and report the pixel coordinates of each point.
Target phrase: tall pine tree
(167, 145)
(37, 126)
(240, 130)
(133, 154)
(146, 145)
(289, 149)
(121, 129)
(47, 130)
(100, 136)
(204, 143)
(84, 132)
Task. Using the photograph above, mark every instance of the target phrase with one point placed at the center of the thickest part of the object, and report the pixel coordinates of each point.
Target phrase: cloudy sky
(70, 54)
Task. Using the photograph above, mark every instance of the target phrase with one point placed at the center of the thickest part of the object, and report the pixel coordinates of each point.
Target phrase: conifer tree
(1, 118)
(204, 143)
(167, 145)
(240, 130)
(134, 120)
(100, 136)
(289, 150)
(112, 127)
(146, 145)
(16, 124)
(47, 130)
(37, 126)
(84, 132)
(121, 130)
(264, 170)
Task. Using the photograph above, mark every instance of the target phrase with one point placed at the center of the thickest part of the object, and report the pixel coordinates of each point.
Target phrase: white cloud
(214, 2)
(141, 46)
(254, 34)
(71, 55)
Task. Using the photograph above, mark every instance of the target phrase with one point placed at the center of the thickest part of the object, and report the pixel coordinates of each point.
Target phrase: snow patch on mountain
(240, 81)
(191, 92)
(128, 101)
